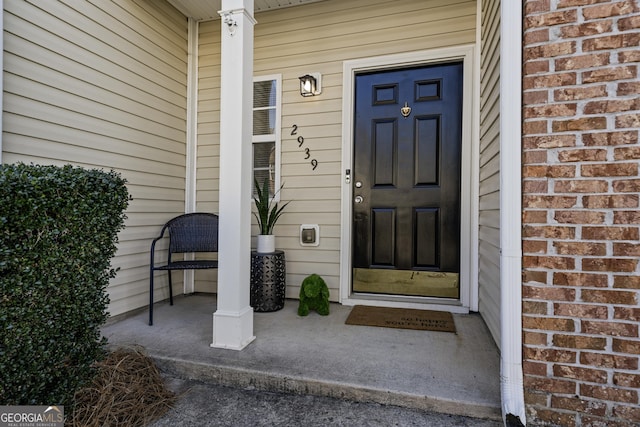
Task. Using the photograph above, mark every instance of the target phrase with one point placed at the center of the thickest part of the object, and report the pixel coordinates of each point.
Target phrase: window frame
(274, 137)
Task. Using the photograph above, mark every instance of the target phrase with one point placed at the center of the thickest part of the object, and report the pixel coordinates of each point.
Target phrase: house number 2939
(306, 150)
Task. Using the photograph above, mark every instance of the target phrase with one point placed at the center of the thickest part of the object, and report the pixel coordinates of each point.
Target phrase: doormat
(424, 320)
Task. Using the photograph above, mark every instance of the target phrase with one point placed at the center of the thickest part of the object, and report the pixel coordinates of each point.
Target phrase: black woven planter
(268, 274)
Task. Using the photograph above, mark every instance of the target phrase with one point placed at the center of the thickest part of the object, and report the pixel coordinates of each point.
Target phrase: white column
(233, 320)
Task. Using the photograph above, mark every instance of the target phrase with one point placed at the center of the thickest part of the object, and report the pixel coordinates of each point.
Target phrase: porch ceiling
(203, 10)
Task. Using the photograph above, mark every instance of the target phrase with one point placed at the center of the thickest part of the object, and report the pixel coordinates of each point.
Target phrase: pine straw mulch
(127, 391)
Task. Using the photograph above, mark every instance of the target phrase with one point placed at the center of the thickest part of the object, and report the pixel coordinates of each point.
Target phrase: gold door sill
(406, 282)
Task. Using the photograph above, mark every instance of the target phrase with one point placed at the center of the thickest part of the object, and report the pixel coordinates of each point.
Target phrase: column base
(233, 330)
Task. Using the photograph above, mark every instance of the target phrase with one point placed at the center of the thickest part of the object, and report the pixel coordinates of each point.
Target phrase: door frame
(469, 180)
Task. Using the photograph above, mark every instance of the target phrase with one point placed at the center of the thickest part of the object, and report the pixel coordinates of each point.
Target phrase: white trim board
(188, 286)
(469, 204)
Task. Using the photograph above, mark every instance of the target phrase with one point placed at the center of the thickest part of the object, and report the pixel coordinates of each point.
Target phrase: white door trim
(469, 204)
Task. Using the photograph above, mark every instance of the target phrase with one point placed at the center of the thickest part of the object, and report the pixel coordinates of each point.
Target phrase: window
(266, 130)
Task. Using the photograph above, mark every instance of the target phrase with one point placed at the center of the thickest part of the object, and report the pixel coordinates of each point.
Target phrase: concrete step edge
(268, 381)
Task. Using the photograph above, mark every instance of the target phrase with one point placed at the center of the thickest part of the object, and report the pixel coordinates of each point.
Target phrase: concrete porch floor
(320, 355)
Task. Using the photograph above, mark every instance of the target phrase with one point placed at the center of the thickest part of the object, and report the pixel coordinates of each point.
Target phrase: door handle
(359, 199)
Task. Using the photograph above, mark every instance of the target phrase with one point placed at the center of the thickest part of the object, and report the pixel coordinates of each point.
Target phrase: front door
(406, 181)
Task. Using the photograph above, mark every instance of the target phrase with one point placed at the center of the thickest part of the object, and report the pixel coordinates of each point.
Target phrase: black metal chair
(192, 232)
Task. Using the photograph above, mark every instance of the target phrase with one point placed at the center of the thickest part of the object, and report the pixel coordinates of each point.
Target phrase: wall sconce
(311, 84)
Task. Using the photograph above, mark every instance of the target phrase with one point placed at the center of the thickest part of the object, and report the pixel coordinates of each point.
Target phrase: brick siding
(581, 218)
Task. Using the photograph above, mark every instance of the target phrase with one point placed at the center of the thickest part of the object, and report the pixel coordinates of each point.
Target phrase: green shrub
(58, 233)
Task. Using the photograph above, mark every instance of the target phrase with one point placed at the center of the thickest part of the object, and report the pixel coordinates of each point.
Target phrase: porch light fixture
(311, 84)
(232, 25)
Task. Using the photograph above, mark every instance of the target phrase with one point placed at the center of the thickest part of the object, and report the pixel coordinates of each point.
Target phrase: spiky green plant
(267, 208)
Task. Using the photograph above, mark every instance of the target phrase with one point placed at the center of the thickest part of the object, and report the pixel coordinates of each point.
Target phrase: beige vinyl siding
(489, 233)
(318, 38)
(102, 84)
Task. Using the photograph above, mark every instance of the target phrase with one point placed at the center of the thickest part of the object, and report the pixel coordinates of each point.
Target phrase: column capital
(234, 10)
(230, 14)
(237, 6)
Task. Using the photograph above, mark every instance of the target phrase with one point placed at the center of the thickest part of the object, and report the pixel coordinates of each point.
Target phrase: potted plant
(267, 215)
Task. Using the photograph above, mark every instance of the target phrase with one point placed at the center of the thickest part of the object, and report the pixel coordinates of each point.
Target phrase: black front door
(406, 181)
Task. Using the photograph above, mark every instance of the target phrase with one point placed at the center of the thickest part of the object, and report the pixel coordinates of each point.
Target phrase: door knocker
(406, 110)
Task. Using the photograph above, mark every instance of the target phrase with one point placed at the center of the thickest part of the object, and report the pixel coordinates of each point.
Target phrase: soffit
(203, 10)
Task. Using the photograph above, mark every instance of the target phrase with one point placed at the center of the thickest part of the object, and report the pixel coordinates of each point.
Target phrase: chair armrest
(153, 246)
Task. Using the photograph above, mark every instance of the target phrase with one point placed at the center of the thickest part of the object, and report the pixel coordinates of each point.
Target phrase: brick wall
(581, 219)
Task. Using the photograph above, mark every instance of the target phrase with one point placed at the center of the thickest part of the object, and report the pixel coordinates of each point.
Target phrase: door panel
(406, 211)
(385, 146)
(427, 144)
(426, 250)
(384, 233)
